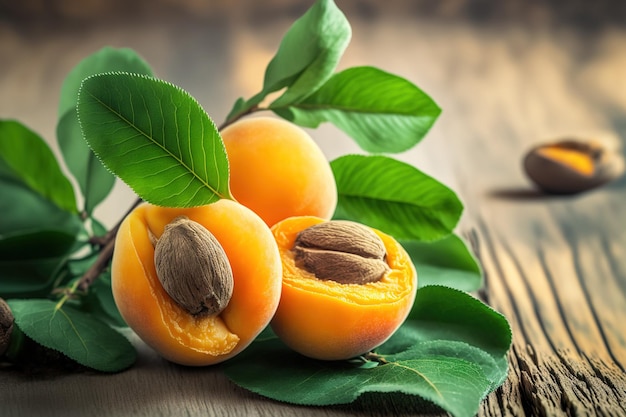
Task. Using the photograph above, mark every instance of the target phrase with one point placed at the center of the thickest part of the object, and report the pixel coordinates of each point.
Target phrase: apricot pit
(193, 267)
(342, 251)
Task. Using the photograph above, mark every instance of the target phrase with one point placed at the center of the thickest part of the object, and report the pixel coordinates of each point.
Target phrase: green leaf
(445, 313)
(380, 111)
(446, 262)
(107, 59)
(442, 313)
(452, 349)
(309, 52)
(94, 180)
(36, 237)
(454, 384)
(394, 197)
(26, 211)
(30, 160)
(451, 352)
(29, 277)
(156, 138)
(76, 334)
(307, 56)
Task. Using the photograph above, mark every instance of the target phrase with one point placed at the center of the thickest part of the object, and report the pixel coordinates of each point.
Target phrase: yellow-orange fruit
(165, 326)
(572, 166)
(325, 319)
(278, 171)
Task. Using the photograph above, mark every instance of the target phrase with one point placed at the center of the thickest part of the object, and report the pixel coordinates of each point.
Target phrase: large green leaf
(451, 351)
(156, 138)
(31, 161)
(76, 334)
(380, 111)
(94, 180)
(447, 262)
(307, 56)
(107, 59)
(442, 313)
(394, 197)
(269, 368)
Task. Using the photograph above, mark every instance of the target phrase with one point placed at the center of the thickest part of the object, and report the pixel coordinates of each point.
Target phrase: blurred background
(506, 73)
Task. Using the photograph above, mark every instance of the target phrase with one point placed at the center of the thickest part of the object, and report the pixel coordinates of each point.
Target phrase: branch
(107, 243)
(238, 116)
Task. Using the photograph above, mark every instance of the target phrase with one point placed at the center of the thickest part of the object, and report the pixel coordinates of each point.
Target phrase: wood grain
(554, 266)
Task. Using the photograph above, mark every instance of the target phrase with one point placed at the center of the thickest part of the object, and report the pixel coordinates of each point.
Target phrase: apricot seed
(193, 267)
(342, 251)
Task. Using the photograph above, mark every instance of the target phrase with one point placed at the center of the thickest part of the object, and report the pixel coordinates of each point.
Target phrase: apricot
(572, 166)
(163, 324)
(343, 316)
(278, 171)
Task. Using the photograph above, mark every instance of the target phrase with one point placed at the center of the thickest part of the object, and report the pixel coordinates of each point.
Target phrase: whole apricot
(196, 331)
(346, 287)
(278, 171)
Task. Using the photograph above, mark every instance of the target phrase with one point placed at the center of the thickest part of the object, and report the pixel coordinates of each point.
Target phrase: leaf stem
(375, 357)
(241, 115)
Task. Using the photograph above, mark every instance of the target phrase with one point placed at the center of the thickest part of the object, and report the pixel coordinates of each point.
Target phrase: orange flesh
(576, 160)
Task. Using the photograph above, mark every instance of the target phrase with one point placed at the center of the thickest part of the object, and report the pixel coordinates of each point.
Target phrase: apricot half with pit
(571, 166)
(346, 287)
(196, 284)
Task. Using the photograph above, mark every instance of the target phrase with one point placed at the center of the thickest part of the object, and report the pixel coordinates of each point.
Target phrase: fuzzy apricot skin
(159, 321)
(332, 321)
(278, 171)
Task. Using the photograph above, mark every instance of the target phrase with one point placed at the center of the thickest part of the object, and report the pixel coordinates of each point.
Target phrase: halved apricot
(168, 328)
(326, 319)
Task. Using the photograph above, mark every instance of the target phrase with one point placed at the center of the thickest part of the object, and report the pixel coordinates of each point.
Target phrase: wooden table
(554, 266)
